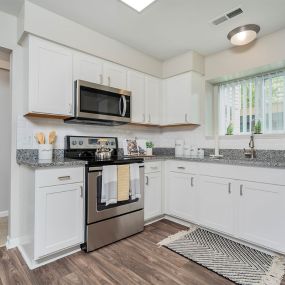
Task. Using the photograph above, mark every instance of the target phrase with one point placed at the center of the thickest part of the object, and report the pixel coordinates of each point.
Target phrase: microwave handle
(123, 113)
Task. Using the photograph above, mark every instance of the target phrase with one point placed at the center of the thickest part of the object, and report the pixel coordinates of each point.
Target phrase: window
(254, 104)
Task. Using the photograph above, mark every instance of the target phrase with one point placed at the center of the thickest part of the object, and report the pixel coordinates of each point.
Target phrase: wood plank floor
(136, 260)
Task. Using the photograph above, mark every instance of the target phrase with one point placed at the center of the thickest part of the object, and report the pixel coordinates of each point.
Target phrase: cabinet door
(136, 84)
(88, 68)
(115, 75)
(50, 78)
(261, 214)
(153, 100)
(152, 206)
(181, 197)
(59, 220)
(216, 203)
(177, 90)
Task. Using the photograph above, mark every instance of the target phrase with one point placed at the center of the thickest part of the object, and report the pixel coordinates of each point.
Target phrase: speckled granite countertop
(56, 162)
(243, 162)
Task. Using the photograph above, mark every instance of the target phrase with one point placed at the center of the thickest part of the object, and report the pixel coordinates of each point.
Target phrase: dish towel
(123, 182)
(109, 185)
(135, 189)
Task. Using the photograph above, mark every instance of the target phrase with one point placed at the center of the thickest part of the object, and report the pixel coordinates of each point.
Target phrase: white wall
(39, 21)
(5, 142)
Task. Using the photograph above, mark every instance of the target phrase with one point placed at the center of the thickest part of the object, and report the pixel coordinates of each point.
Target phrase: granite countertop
(56, 162)
(243, 162)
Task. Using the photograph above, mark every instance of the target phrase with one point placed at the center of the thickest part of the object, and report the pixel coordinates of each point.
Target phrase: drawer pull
(81, 191)
(241, 190)
(181, 167)
(63, 178)
(147, 180)
(230, 186)
(153, 167)
(192, 181)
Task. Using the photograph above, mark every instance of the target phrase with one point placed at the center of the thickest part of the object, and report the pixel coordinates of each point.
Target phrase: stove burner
(86, 154)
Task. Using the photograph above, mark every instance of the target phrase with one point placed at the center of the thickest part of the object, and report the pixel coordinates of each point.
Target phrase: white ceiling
(167, 27)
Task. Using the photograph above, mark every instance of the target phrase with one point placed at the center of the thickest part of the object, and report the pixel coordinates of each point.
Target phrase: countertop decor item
(230, 129)
(45, 149)
(149, 147)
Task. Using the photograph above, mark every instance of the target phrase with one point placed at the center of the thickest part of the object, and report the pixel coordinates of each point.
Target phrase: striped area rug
(236, 262)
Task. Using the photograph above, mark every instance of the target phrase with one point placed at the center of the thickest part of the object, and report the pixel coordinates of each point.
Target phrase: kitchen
(208, 113)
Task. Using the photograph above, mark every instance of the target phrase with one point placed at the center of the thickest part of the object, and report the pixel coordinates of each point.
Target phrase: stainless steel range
(106, 223)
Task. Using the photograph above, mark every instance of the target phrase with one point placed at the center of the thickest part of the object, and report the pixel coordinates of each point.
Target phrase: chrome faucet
(251, 153)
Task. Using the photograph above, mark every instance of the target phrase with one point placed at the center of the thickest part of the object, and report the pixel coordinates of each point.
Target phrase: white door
(153, 100)
(216, 203)
(115, 75)
(181, 196)
(88, 68)
(152, 206)
(50, 78)
(261, 214)
(177, 91)
(59, 221)
(136, 84)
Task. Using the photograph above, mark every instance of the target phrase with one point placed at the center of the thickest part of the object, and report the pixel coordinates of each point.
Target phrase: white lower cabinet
(216, 203)
(246, 210)
(152, 191)
(59, 218)
(59, 214)
(182, 195)
(261, 214)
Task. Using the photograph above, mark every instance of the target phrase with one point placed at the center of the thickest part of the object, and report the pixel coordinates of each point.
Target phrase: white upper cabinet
(182, 98)
(146, 98)
(114, 75)
(88, 68)
(48, 77)
(136, 84)
(261, 214)
(153, 100)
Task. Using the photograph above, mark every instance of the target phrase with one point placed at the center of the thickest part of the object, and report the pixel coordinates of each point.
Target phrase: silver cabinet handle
(192, 181)
(241, 190)
(186, 118)
(81, 191)
(181, 167)
(101, 78)
(147, 180)
(153, 167)
(109, 80)
(62, 178)
(149, 118)
(229, 187)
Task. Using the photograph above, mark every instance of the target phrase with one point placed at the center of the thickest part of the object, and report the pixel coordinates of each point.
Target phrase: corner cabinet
(48, 78)
(182, 99)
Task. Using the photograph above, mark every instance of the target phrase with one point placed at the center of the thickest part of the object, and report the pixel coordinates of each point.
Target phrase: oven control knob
(74, 142)
(80, 142)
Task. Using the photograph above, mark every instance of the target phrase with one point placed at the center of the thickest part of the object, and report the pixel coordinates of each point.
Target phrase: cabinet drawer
(58, 176)
(154, 166)
(179, 166)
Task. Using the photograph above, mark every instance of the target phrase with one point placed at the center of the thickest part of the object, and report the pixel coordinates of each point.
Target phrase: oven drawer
(154, 166)
(59, 176)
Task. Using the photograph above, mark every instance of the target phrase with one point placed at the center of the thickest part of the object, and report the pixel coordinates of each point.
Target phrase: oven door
(97, 211)
(99, 102)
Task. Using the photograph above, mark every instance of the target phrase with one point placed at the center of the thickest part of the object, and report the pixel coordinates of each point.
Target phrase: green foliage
(230, 129)
(149, 144)
(257, 127)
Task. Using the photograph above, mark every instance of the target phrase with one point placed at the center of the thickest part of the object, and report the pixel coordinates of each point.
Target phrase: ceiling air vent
(227, 16)
(234, 13)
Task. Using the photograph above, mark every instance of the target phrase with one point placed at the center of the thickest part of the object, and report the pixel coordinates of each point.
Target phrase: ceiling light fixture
(243, 35)
(138, 5)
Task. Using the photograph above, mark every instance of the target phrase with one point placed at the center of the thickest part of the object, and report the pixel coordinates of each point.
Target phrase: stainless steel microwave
(99, 104)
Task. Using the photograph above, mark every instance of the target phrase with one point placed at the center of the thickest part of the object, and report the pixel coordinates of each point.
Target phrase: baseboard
(12, 243)
(4, 214)
(33, 264)
(153, 220)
